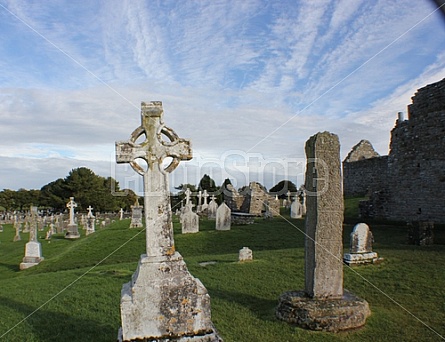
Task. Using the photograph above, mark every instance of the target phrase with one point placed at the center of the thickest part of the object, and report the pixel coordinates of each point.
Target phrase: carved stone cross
(90, 211)
(153, 150)
(205, 195)
(71, 205)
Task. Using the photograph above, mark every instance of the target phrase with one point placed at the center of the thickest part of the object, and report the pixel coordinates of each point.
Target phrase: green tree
(207, 183)
(281, 189)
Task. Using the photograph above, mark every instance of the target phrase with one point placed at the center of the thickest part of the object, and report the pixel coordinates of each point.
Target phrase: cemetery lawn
(74, 294)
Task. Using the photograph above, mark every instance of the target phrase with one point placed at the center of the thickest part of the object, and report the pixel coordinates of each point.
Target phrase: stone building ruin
(409, 183)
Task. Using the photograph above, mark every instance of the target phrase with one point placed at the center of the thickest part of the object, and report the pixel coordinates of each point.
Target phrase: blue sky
(252, 79)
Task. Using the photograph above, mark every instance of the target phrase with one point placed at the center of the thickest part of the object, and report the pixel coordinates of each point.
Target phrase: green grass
(74, 294)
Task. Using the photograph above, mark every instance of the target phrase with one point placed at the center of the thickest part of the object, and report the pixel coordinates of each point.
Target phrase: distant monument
(223, 217)
(163, 301)
(33, 248)
(91, 221)
(72, 229)
(136, 215)
(323, 305)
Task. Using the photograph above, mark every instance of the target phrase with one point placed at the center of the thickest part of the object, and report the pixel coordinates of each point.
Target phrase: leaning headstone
(33, 248)
(245, 254)
(136, 215)
(90, 221)
(360, 251)
(223, 217)
(163, 301)
(323, 305)
(72, 229)
(213, 207)
(296, 209)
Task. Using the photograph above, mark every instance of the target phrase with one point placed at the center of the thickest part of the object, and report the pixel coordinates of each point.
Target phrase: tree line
(84, 185)
(87, 188)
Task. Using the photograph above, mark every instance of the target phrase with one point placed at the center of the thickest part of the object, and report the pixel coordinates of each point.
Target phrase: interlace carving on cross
(153, 149)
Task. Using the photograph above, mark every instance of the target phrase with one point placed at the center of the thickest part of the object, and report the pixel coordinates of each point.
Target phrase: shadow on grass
(11, 267)
(263, 309)
(52, 326)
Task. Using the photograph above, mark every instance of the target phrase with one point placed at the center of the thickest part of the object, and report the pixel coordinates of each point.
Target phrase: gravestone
(296, 209)
(163, 301)
(1, 228)
(223, 217)
(199, 207)
(213, 207)
(17, 225)
(189, 220)
(121, 214)
(33, 248)
(323, 304)
(205, 205)
(245, 254)
(90, 221)
(360, 251)
(136, 215)
(72, 229)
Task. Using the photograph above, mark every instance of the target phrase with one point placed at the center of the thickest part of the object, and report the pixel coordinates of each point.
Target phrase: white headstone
(245, 254)
(296, 209)
(223, 217)
(72, 229)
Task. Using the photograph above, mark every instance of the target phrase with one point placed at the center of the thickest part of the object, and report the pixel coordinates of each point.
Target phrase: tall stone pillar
(323, 304)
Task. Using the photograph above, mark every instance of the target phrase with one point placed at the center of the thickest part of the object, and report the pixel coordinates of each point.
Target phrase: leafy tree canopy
(281, 188)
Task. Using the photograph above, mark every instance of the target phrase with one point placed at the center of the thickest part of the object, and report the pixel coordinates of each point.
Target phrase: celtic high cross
(153, 150)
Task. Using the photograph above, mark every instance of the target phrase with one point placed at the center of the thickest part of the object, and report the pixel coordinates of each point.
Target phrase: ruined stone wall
(414, 186)
(362, 176)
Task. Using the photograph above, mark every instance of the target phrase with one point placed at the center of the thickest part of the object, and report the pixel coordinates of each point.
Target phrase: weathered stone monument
(323, 305)
(33, 248)
(213, 207)
(360, 251)
(296, 209)
(245, 254)
(163, 301)
(136, 215)
(17, 225)
(223, 217)
(90, 221)
(205, 205)
(189, 219)
(72, 229)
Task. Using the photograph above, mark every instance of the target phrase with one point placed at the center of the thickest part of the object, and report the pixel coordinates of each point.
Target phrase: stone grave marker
(223, 217)
(205, 205)
(245, 254)
(17, 227)
(189, 220)
(323, 304)
(163, 301)
(296, 209)
(213, 207)
(90, 221)
(72, 228)
(136, 215)
(33, 248)
(360, 251)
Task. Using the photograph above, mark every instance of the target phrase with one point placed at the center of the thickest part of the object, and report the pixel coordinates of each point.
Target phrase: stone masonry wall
(362, 176)
(414, 185)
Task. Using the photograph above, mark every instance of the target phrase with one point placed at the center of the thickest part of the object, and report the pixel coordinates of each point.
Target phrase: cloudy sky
(248, 82)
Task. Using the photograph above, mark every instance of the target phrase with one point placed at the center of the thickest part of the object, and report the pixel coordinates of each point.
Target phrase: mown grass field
(74, 294)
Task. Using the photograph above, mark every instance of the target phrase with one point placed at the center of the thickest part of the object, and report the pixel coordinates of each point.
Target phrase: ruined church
(409, 183)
